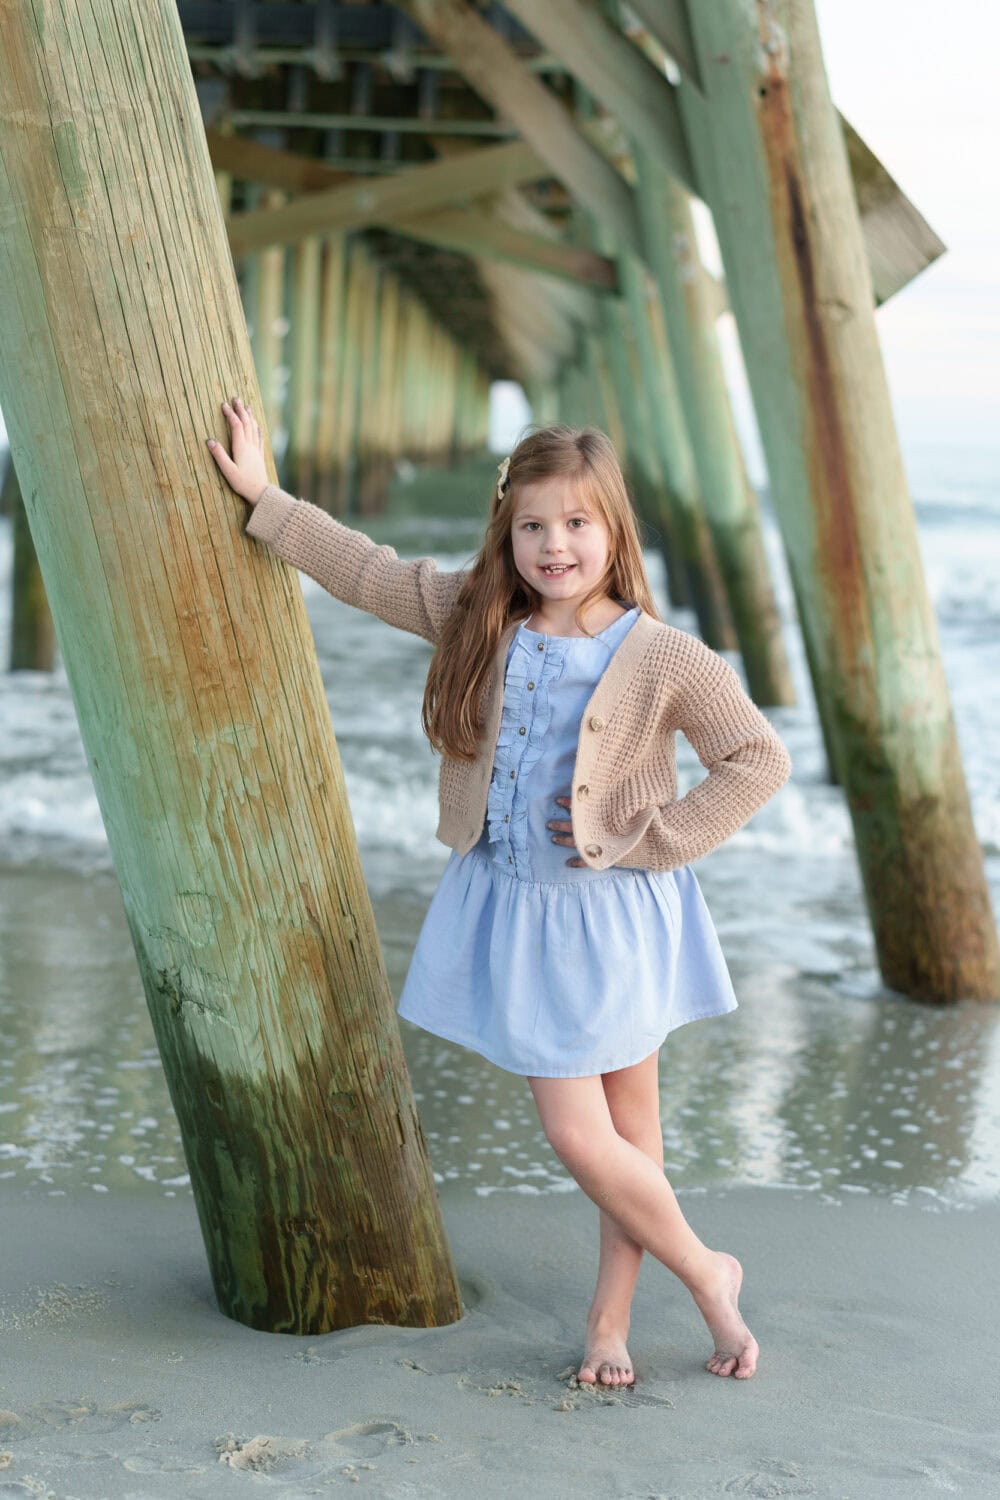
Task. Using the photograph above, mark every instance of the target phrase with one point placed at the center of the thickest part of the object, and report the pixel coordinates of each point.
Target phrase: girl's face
(551, 525)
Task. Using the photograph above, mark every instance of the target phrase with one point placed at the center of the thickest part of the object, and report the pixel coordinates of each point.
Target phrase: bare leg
(633, 1097)
(631, 1188)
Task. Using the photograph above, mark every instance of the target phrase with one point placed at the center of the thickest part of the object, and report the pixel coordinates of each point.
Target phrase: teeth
(564, 569)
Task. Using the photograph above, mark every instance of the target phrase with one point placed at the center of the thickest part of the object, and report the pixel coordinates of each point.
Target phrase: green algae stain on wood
(71, 168)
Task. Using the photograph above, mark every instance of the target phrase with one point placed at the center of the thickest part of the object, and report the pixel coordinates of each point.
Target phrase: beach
(842, 1140)
(121, 1378)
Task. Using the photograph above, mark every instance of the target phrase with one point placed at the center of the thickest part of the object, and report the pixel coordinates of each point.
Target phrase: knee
(577, 1145)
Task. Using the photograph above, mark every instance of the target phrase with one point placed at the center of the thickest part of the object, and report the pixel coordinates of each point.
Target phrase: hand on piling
(246, 471)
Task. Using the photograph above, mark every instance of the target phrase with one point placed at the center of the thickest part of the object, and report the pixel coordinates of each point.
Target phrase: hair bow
(502, 471)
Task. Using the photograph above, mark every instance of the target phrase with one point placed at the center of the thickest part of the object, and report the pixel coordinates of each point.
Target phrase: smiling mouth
(557, 572)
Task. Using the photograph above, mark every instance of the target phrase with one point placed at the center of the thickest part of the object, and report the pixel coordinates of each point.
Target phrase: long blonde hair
(494, 593)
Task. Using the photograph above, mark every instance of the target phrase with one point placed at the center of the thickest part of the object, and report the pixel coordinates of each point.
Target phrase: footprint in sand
(264, 1454)
(141, 1463)
(81, 1411)
(774, 1478)
(365, 1439)
(517, 1386)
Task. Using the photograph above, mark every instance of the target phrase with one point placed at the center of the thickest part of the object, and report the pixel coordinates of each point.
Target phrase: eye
(581, 519)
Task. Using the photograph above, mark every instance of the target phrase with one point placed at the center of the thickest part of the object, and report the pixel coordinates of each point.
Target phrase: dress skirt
(562, 979)
(547, 969)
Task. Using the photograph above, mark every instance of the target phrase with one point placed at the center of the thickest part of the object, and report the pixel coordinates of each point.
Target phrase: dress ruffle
(506, 815)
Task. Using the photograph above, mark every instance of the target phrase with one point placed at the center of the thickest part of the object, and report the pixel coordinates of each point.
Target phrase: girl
(554, 693)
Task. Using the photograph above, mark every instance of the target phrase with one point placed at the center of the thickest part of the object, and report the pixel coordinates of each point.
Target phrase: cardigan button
(596, 722)
(594, 849)
(583, 790)
(522, 730)
(541, 645)
(531, 684)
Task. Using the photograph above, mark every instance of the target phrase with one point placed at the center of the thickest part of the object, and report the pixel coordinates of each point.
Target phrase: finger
(246, 415)
(222, 458)
(250, 426)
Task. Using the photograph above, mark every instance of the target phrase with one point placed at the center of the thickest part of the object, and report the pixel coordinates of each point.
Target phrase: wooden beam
(251, 162)
(470, 230)
(353, 205)
(498, 75)
(574, 299)
(898, 240)
(617, 74)
(668, 21)
(480, 233)
(288, 119)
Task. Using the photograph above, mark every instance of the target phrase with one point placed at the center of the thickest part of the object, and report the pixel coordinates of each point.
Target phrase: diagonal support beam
(616, 73)
(472, 230)
(476, 232)
(356, 204)
(668, 21)
(899, 242)
(490, 66)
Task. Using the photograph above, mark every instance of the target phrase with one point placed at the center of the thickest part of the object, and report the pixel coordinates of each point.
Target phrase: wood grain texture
(196, 684)
(772, 155)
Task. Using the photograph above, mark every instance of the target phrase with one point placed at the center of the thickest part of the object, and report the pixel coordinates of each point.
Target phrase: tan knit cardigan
(624, 805)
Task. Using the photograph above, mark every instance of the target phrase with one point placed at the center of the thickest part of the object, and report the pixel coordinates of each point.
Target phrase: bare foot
(736, 1349)
(606, 1361)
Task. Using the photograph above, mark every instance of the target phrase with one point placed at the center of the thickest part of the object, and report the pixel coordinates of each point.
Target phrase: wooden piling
(330, 361)
(771, 158)
(200, 701)
(303, 339)
(670, 248)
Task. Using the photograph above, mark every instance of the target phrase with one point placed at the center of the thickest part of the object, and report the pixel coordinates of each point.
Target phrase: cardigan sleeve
(746, 761)
(415, 596)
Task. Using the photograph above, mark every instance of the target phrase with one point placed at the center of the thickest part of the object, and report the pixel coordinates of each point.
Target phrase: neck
(598, 616)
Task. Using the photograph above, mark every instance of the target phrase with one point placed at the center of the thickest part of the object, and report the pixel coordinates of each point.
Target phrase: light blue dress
(542, 967)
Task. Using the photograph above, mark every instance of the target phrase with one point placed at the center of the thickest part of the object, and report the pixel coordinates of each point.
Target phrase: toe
(586, 1374)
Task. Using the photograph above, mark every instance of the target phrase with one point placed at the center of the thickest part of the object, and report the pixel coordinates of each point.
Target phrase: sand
(121, 1378)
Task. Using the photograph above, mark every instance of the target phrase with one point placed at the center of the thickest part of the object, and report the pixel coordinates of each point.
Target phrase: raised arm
(746, 761)
(415, 596)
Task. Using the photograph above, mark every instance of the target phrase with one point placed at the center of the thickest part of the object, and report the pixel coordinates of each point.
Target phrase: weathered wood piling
(199, 697)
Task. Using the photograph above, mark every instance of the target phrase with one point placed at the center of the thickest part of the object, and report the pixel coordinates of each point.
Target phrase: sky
(917, 80)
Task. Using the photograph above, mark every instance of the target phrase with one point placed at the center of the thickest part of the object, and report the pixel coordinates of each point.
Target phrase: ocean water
(822, 1080)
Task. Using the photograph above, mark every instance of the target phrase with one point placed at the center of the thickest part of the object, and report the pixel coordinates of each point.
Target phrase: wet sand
(121, 1378)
